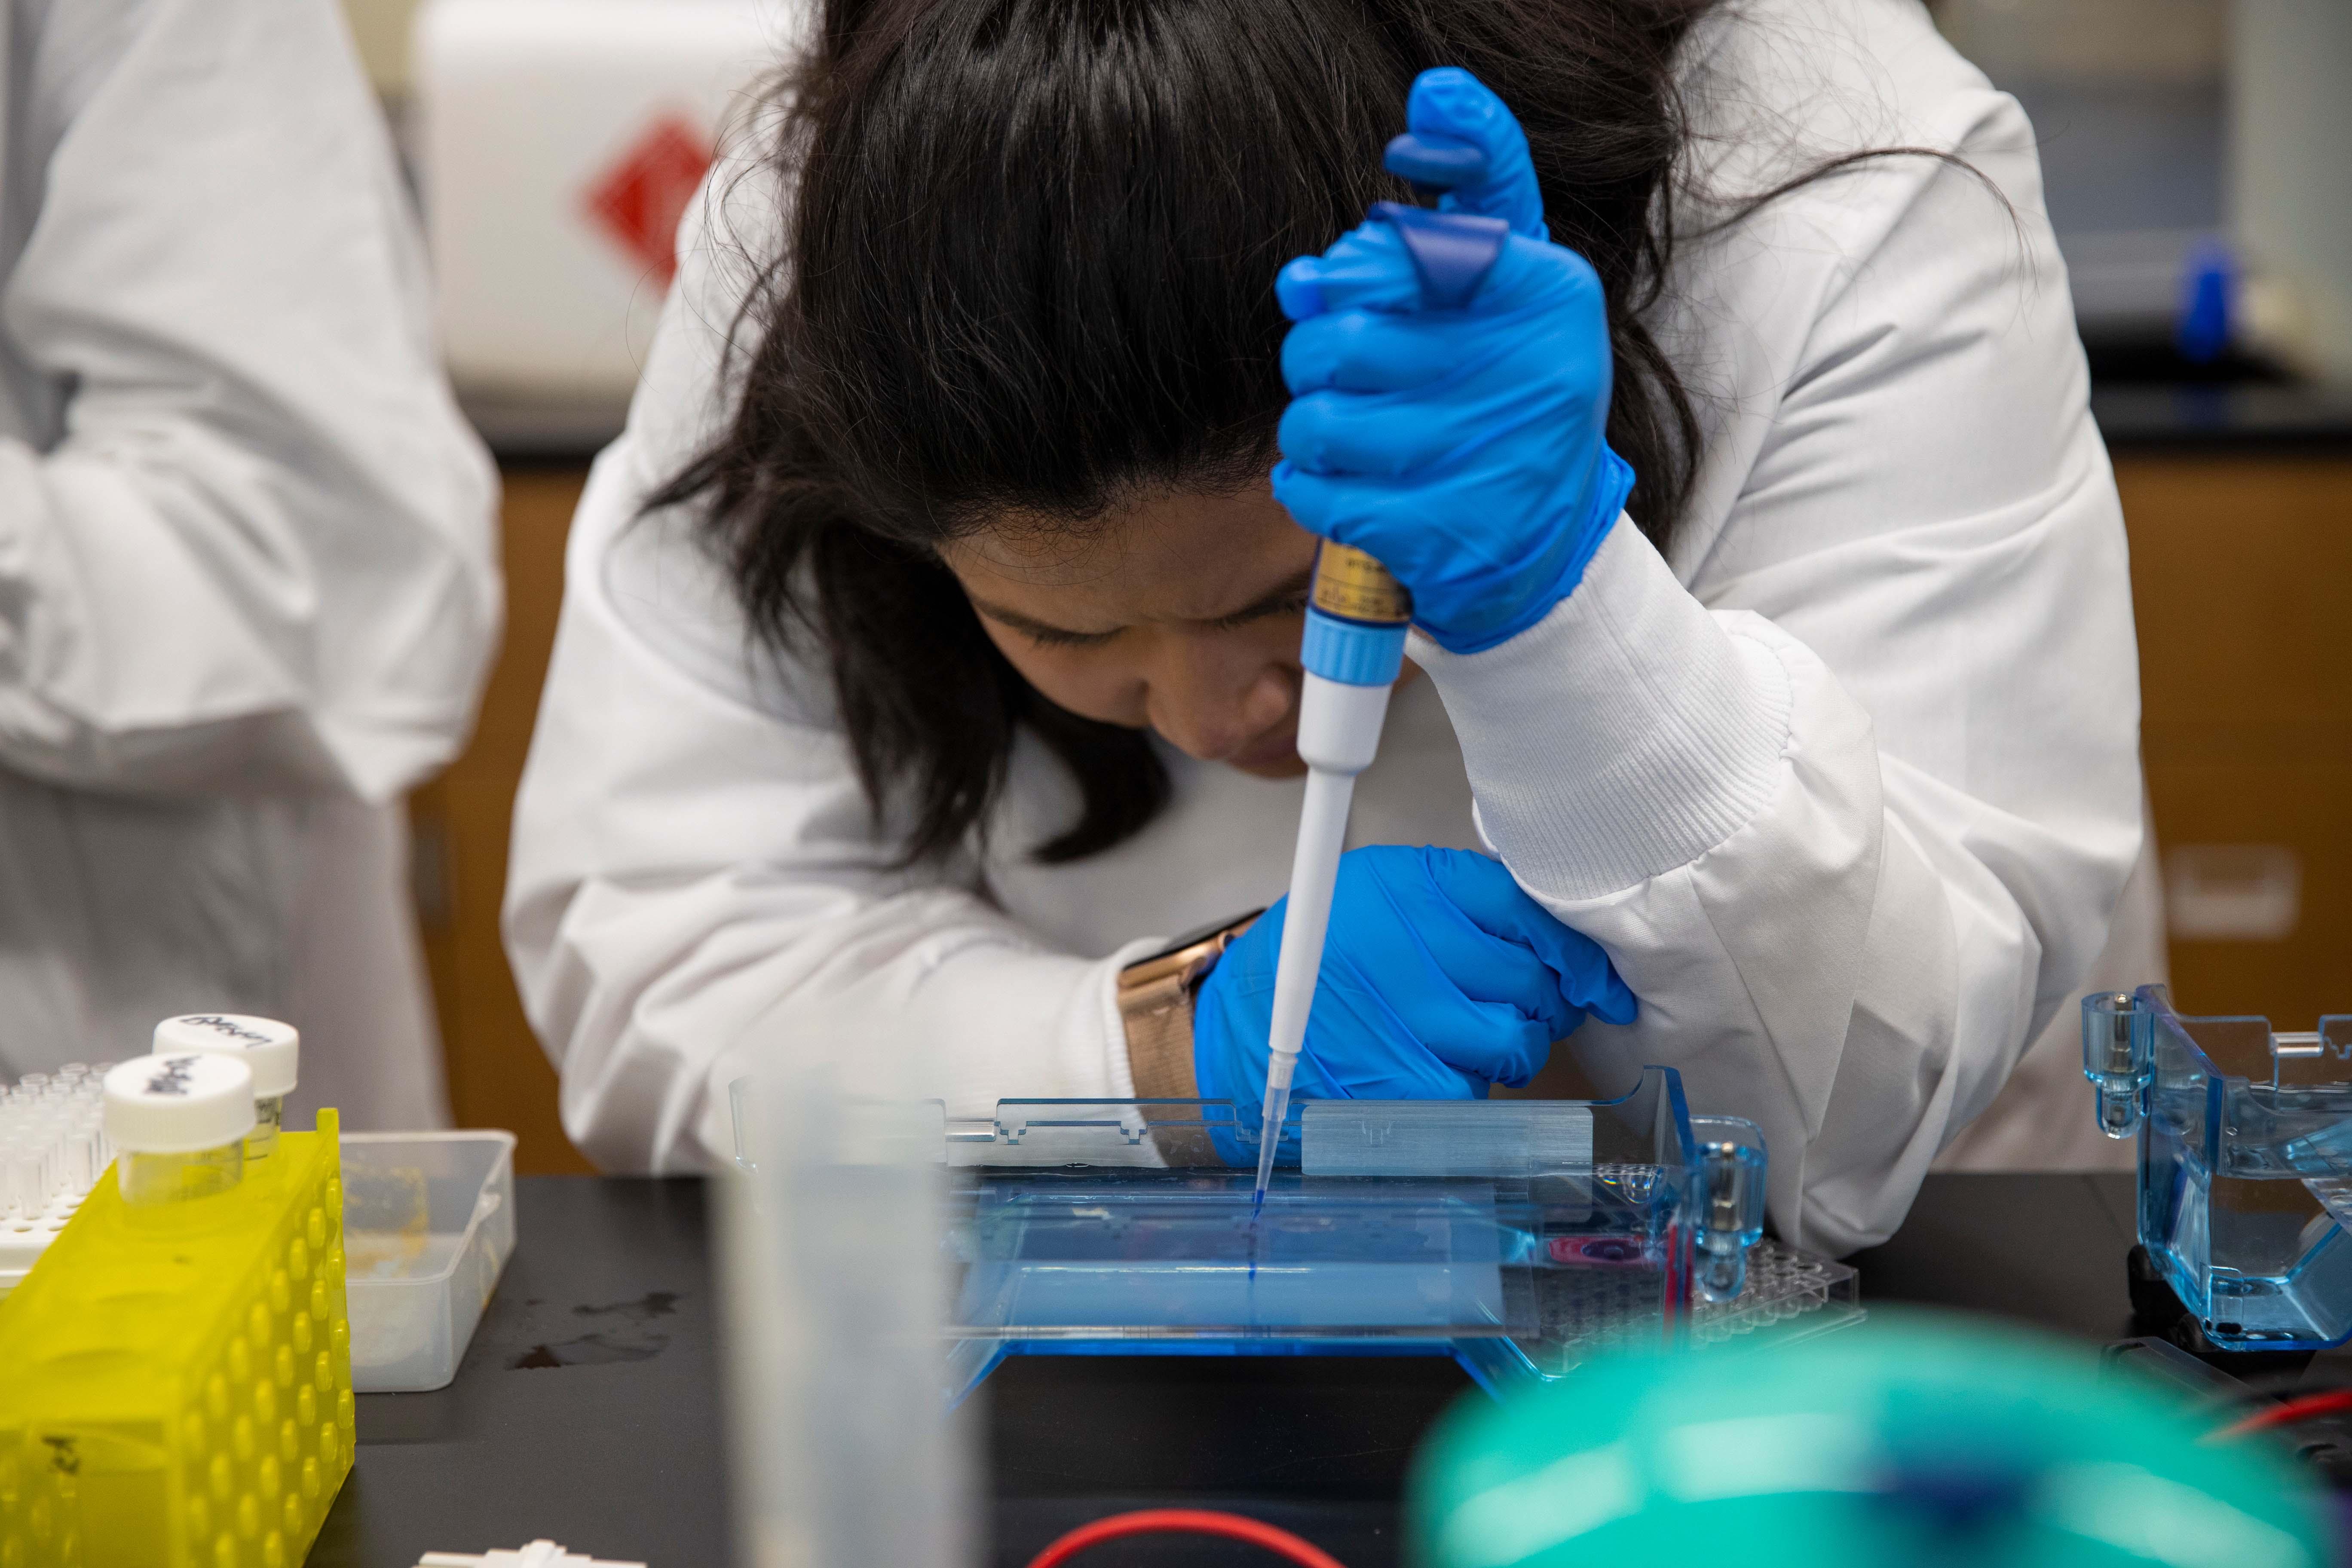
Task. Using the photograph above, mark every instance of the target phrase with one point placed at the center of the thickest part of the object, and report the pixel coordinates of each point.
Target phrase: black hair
(1030, 265)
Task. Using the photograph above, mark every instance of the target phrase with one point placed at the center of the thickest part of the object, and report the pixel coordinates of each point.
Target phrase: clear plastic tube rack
(53, 1148)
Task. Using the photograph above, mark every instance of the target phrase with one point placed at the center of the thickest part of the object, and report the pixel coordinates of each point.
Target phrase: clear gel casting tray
(1517, 1237)
(428, 1224)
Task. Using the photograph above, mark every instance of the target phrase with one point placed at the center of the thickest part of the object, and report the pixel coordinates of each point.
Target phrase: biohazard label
(637, 201)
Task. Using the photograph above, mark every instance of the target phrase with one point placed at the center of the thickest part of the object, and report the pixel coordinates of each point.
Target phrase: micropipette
(1357, 618)
(1357, 615)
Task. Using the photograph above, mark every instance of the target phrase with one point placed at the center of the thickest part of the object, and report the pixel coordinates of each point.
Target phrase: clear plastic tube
(52, 1147)
(22, 1195)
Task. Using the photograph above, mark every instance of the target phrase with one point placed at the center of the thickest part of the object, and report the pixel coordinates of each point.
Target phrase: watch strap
(1155, 1006)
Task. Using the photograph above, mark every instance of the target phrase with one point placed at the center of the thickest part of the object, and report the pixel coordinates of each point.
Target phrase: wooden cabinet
(498, 1074)
(2242, 577)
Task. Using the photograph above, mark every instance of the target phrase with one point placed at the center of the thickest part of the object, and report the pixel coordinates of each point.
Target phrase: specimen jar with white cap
(268, 1048)
(178, 1123)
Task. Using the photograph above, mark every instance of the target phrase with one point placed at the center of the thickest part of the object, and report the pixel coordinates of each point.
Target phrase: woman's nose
(1207, 708)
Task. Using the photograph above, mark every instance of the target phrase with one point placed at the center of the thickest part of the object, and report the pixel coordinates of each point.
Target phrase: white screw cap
(269, 1046)
(178, 1104)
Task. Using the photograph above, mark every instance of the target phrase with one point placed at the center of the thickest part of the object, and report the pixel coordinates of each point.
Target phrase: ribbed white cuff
(1624, 734)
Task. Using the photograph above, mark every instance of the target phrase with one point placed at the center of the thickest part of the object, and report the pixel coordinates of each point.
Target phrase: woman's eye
(1294, 606)
(1044, 637)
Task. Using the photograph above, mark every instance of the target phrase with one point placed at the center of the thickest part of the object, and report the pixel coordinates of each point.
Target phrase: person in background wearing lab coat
(930, 647)
(247, 580)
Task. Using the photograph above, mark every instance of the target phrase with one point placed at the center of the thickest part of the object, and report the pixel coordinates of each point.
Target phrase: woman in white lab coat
(931, 650)
(247, 577)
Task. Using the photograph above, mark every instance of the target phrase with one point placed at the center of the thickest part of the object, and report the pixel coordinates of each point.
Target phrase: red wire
(2288, 1414)
(1187, 1521)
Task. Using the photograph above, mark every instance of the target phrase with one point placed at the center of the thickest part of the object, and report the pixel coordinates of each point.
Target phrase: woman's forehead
(1174, 558)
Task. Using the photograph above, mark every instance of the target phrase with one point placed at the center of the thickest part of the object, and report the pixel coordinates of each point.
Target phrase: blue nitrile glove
(1449, 107)
(1441, 976)
(1462, 448)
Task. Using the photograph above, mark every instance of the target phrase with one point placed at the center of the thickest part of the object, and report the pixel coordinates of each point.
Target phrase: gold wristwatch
(1155, 1004)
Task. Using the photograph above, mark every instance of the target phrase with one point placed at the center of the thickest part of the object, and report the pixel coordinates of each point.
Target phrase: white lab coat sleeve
(1849, 802)
(260, 551)
(697, 889)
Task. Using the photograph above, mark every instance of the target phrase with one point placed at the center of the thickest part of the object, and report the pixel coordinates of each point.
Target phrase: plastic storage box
(2245, 1162)
(1517, 1237)
(430, 1221)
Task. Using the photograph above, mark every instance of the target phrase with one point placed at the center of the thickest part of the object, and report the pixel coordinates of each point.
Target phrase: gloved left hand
(1441, 977)
(1462, 448)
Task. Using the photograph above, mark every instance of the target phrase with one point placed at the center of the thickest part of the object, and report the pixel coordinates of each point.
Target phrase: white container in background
(2290, 138)
(428, 1224)
(557, 141)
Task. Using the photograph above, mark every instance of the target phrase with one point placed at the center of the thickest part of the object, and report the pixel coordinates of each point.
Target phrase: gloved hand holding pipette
(1461, 449)
(1451, 376)
(1441, 977)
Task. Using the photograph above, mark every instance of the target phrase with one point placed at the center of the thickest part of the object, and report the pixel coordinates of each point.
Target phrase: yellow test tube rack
(175, 1382)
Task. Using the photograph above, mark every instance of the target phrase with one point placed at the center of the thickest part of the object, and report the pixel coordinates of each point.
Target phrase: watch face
(1192, 937)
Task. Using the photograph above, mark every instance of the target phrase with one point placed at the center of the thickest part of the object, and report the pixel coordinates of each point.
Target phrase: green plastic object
(1917, 1439)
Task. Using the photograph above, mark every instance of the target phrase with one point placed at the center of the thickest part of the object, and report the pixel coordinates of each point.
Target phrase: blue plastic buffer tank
(2245, 1162)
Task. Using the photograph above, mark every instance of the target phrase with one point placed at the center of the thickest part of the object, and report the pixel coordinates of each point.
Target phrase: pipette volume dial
(1353, 586)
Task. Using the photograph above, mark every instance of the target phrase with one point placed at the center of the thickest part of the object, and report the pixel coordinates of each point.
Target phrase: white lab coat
(248, 587)
(1848, 788)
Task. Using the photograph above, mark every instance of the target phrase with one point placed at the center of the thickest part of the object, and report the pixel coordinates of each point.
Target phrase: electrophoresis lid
(2244, 1138)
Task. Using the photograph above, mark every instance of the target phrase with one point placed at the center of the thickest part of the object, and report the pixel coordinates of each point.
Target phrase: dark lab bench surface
(587, 1409)
(2223, 420)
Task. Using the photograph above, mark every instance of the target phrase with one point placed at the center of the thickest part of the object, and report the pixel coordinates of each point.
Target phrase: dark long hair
(1031, 264)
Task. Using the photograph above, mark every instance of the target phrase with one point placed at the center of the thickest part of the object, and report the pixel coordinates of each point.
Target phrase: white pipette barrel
(1354, 647)
(1314, 871)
